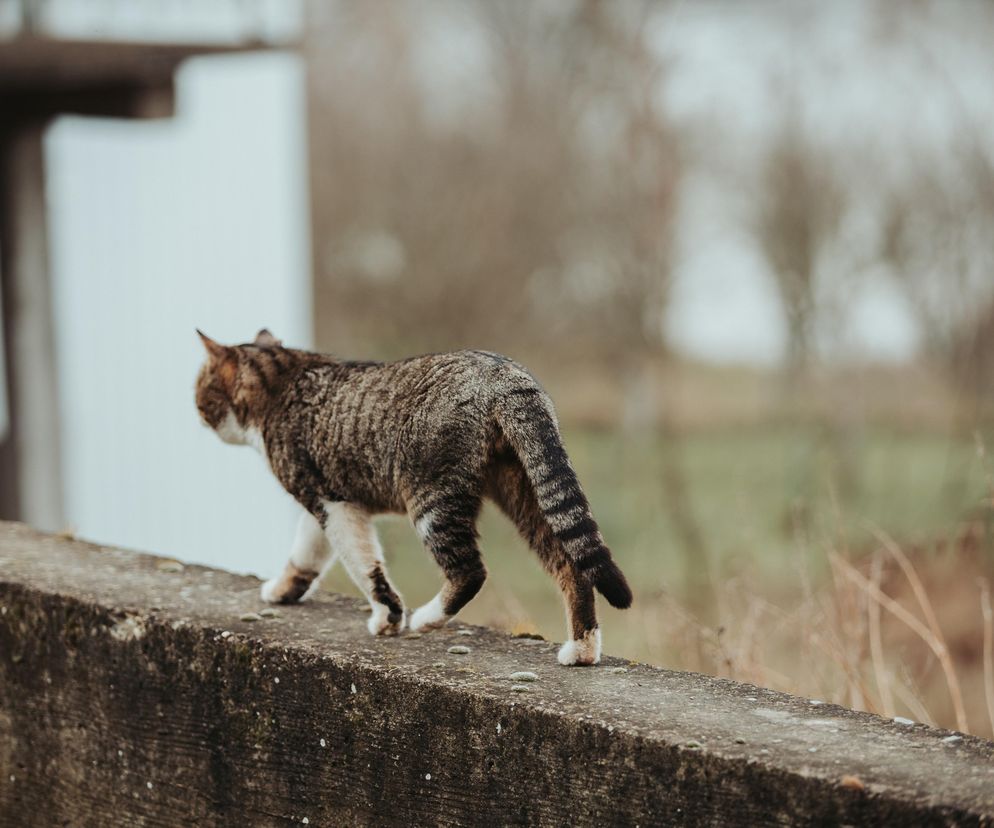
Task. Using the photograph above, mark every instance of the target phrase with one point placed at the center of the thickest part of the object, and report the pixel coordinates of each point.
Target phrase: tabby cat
(429, 436)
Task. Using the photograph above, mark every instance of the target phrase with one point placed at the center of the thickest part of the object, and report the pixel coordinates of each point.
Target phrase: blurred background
(747, 247)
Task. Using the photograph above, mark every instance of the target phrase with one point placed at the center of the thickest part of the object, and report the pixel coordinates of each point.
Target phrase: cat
(429, 436)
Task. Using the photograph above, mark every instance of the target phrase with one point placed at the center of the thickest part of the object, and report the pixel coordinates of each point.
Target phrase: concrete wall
(133, 692)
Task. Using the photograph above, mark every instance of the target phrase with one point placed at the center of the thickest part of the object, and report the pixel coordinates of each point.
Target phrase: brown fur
(294, 583)
(428, 436)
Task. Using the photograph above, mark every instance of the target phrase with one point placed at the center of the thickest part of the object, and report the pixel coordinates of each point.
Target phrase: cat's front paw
(381, 622)
(582, 651)
(270, 591)
(292, 586)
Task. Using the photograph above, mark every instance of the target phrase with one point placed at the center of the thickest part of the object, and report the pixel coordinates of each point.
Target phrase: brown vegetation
(532, 206)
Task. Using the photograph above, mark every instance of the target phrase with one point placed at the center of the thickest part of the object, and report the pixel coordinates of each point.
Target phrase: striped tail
(525, 416)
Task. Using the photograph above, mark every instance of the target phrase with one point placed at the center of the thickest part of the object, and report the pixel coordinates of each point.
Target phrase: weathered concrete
(132, 694)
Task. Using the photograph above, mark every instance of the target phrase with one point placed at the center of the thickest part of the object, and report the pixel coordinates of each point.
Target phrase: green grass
(768, 504)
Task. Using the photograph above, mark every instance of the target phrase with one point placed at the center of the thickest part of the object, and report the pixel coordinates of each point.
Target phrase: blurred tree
(939, 243)
(939, 221)
(517, 197)
(803, 201)
(801, 207)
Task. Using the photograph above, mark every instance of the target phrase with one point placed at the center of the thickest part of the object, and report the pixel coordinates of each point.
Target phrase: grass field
(727, 539)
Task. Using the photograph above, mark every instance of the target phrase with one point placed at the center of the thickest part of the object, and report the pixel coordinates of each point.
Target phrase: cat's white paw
(268, 591)
(429, 617)
(275, 591)
(379, 622)
(582, 651)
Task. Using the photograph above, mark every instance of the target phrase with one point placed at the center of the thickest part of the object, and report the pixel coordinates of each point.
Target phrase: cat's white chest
(232, 432)
(253, 437)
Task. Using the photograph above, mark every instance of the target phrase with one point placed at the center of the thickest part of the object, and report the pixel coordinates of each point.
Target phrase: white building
(154, 227)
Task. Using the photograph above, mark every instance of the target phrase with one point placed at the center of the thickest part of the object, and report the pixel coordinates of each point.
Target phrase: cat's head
(235, 383)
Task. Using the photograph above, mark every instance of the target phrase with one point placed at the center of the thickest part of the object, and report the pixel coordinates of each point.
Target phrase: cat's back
(377, 429)
(455, 378)
(460, 384)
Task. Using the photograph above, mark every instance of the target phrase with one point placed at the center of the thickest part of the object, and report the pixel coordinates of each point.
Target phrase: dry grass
(929, 632)
(985, 605)
(839, 643)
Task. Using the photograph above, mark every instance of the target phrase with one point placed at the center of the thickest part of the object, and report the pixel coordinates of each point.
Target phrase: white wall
(158, 228)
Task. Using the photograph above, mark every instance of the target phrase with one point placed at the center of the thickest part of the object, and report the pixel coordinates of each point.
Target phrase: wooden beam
(125, 100)
(63, 64)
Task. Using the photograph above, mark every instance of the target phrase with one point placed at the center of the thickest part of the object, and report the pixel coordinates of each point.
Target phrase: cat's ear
(223, 358)
(264, 339)
(215, 349)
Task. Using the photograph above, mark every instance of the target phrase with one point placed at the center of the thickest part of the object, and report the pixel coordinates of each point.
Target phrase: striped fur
(429, 436)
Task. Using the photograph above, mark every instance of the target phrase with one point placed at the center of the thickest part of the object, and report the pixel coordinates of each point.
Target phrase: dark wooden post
(29, 491)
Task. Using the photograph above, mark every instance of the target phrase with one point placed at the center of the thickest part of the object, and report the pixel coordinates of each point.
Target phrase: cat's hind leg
(351, 533)
(309, 557)
(512, 491)
(584, 644)
(448, 530)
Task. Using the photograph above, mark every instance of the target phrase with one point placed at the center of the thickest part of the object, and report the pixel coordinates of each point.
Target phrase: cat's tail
(526, 418)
